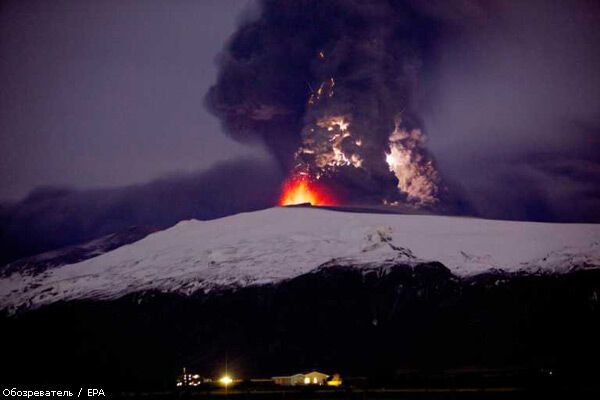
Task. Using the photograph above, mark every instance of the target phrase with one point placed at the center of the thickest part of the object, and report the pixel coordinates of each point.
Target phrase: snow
(281, 243)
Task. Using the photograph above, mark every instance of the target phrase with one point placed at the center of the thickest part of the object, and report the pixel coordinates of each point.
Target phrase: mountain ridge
(276, 244)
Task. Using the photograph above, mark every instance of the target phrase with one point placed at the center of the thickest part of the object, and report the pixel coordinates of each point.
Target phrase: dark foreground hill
(391, 324)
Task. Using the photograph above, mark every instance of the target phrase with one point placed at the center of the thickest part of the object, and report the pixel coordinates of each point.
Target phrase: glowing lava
(299, 190)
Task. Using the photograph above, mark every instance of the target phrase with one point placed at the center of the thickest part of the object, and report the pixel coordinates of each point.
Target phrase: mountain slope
(281, 243)
(406, 325)
(39, 263)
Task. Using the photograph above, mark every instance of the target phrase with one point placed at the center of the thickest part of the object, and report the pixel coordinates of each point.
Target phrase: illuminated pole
(226, 380)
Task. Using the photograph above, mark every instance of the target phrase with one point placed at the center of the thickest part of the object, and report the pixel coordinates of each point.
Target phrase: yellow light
(226, 380)
(335, 381)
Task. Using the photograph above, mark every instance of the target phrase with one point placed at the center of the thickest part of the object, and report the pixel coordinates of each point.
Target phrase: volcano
(266, 247)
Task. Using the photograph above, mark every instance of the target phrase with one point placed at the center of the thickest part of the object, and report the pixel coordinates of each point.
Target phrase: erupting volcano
(299, 190)
(335, 102)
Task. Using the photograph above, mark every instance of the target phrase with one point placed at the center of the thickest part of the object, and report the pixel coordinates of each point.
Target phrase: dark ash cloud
(367, 58)
(493, 84)
(53, 217)
(513, 110)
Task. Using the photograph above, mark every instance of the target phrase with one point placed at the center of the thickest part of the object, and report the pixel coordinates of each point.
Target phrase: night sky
(105, 121)
(108, 93)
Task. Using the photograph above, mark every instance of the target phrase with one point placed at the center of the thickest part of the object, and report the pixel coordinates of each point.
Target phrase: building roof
(316, 373)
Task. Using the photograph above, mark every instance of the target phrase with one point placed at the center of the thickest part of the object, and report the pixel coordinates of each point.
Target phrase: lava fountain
(301, 189)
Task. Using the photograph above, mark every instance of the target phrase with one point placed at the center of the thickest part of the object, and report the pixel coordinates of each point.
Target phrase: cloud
(54, 217)
(512, 109)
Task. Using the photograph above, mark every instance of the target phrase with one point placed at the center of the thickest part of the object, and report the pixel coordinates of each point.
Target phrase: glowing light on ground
(226, 380)
(299, 190)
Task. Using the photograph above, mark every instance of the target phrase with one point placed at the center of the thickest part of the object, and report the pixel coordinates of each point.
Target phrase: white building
(310, 378)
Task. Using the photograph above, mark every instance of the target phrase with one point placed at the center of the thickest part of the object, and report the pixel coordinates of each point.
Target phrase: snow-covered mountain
(281, 243)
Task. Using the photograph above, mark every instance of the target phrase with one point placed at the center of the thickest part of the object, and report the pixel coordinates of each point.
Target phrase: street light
(226, 380)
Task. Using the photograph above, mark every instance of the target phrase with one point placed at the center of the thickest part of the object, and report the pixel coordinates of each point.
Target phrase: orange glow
(299, 190)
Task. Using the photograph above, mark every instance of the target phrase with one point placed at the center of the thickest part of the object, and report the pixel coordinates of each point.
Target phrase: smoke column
(331, 88)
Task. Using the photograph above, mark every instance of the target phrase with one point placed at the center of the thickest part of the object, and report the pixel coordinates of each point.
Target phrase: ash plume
(51, 217)
(332, 88)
